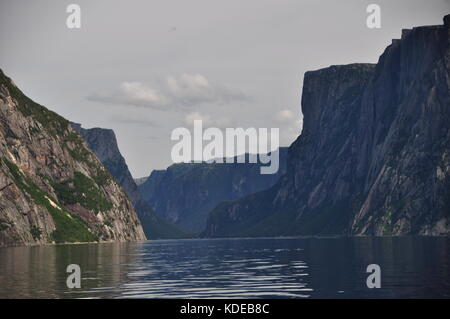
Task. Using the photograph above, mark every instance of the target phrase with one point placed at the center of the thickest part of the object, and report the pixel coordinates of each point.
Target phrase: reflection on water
(40, 272)
(231, 268)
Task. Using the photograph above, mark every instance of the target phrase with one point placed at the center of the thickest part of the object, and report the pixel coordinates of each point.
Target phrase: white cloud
(137, 91)
(185, 91)
(132, 93)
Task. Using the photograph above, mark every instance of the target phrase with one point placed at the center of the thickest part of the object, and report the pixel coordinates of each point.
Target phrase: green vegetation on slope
(69, 227)
(82, 190)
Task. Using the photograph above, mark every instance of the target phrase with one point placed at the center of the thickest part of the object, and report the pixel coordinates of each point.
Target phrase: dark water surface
(411, 267)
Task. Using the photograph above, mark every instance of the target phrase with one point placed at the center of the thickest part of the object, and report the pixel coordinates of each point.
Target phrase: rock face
(185, 193)
(52, 187)
(104, 144)
(374, 154)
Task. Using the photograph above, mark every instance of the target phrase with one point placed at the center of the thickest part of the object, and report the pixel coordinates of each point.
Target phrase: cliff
(185, 193)
(104, 144)
(374, 154)
(52, 187)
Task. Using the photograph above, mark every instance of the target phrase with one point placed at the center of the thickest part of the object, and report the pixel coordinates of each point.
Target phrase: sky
(144, 68)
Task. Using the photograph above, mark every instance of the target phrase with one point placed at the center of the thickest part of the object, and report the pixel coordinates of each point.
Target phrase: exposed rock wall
(104, 144)
(52, 187)
(374, 154)
(185, 193)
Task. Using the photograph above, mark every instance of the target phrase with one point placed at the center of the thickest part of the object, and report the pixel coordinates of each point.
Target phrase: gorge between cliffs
(373, 159)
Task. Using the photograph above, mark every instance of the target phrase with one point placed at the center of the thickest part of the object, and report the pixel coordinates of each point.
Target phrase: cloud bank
(180, 92)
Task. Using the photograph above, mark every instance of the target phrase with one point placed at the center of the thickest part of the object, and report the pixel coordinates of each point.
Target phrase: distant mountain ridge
(185, 193)
(374, 154)
(53, 189)
(104, 144)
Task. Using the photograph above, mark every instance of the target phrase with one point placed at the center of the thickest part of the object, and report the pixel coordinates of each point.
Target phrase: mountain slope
(374, 154)
(52, 187)
(185, 193)
(104, 144)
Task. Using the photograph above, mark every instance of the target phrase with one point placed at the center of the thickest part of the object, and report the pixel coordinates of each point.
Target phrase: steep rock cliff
(52, 187)
(185, 193)
(374, 154)
(104, 144)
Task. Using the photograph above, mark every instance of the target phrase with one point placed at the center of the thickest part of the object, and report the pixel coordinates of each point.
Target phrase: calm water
(232, 268)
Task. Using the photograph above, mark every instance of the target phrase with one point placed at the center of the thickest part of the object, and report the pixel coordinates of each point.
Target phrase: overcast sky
(146, 67)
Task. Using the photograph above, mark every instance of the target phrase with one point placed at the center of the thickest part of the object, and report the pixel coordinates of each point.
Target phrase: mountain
(186, 192)
(374, 154)
(104, 144)
(52, 187)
